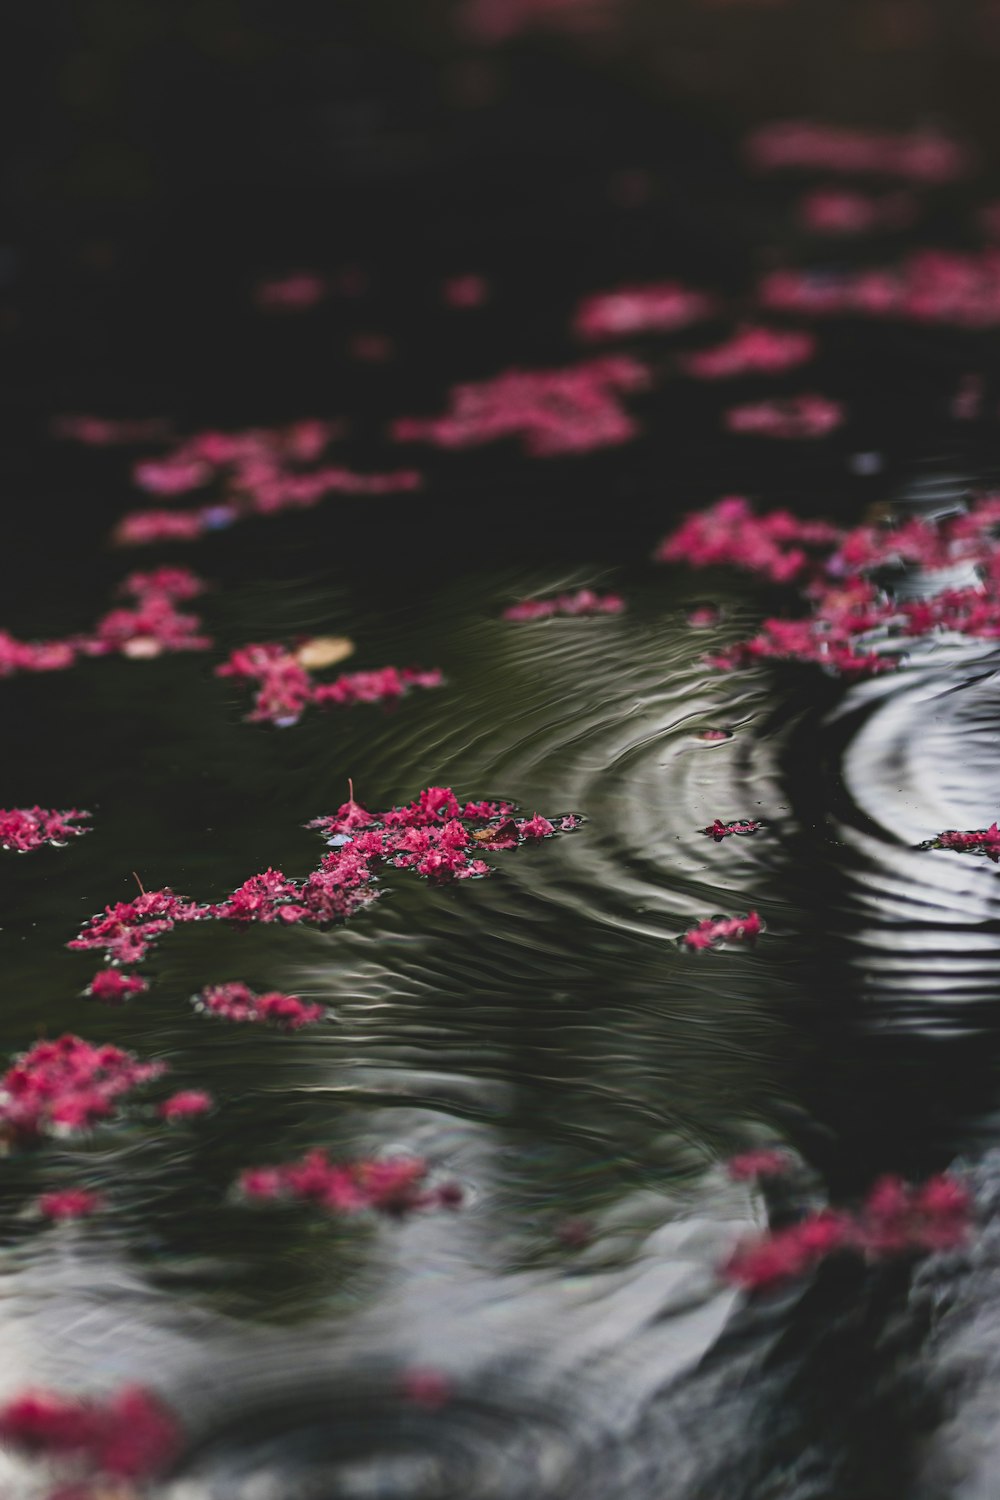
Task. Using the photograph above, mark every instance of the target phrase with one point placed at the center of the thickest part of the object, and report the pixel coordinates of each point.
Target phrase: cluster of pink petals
(24, 828)
(261, 471)
(66, 1085)
(728, 533)
(659, 307)
(285, 688)
(296, 292)
(583, 602)
(714, 930)
(572, 410)
(127, 1436)
(835, 210)
(236, 1002)
(718, 830)
(150, 627)
(187, 1104)
(750, 1165)
(125, 931)
(393, 1185)
(895, 1219)
(466, 291)
(492, 21)
(751, 351)
(112, 987)
(792, 417)
(930, 286)
(435, 836)
(69, 1203)
(970, 841)
(920, 155)
(102, 432)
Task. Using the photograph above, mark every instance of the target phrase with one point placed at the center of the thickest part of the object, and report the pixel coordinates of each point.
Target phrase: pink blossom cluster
(130, 1435)
(69, 1203)
(718, 830)
(66, 1085)
(285, 688)
(435, 836)
(112, 987)
(492, 21)
(658, 307)
(923, 156)
(296, 292)
(570, 410)
(764, 1162)
(261, 471)
(931, 286)
(583, 602)
(392, 1185)
(712, 931)
(895, 1219)
(235, 1001)
(102, 432)
(835, 210)
(150, 627)
(792, 417)
(186, 1104)
(469, 290)
(751, 351)
(25, 828)
(970, 841)
(728, 533)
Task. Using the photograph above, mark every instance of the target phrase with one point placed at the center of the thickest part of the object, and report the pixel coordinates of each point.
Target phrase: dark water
(538, 1036)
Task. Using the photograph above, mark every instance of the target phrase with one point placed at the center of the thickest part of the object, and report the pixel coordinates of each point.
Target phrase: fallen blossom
(895, 1219)
(921, 155)
(972, 841)
(570, 410)
(704, 617)
(285, 687)
(426, 1387)
(778, 545)
(69, 1203)
(103, 432)
(751, 351)
(67, 1085)
(792, 417)
(125, 930)
(583, 602)
(714, 930)
(660, 307)
(834, 210)
(188, 1104)
(112, 987)
(930, 286)
(465, 291)
(718, 830)
(750, 1165)
(393, 1185)
(296, 292)
(130, 1435)
(714, 736)
(26, 828)
(236, 1002)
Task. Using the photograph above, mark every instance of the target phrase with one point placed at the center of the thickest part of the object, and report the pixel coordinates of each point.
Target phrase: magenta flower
(285, 688)
(296, 292)
(971, 841)
(68, 1085)
(130, 1435)
(751, 351)
(112, 987)
(392, 1185)
(422, 1386)
(718, 830)
(920, 155)
(25, 828)
(188, 1104)
(712, 931)
(660, 307)
(69, 1203)
(793, 417)
(236, 1002)
(750, 1165)
(572, 410)
(583, 602)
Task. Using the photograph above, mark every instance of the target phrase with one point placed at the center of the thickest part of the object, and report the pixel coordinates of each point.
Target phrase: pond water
(539, 1037)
